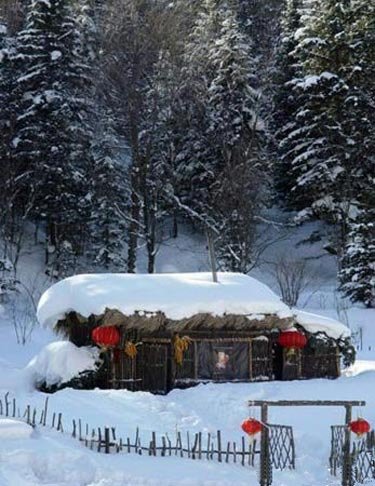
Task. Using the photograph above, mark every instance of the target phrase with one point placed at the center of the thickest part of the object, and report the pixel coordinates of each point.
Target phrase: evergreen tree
(323, 145)
(234, 128)
(287, 69)
(357, 275)
(108, 230)
(222, 161)
(7, 76)
(53, 130)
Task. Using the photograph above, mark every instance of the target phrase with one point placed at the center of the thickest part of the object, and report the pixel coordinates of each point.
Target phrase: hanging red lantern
(292, 340)
(251, 426)
(107, 336)
(360, 427)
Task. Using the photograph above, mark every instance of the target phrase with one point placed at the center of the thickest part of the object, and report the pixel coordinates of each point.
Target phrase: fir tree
(53, 132)
(221, 162)
(237, 193)
(287, 69)
(108, 230)
(322, 144)
(357, 275)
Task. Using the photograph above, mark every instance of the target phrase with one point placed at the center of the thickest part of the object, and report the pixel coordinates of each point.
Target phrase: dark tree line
(122, 119)
(325, 135)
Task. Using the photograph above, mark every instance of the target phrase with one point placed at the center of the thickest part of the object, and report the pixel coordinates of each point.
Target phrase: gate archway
(270, 437)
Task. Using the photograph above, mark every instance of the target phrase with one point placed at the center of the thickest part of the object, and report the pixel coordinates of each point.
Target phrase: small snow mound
(14, 429)
(61, 361)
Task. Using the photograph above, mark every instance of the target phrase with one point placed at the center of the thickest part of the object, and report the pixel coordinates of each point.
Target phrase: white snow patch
(315, 323)
(14, 429)
(61, 361)
(55, 55)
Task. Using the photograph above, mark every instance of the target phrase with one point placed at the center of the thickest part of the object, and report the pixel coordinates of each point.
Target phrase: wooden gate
(273, 439)
(155, 367)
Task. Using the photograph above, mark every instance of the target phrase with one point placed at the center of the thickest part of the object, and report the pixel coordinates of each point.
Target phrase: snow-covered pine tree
(161, 141)
(7, 173)
(324, 146)
(196, 162)
(357, 274)
(235, 129)
(108, 229)
(6, 129)
(53, 129)
(287, 68)
(220, 171)
(14, 202)
(260, 21)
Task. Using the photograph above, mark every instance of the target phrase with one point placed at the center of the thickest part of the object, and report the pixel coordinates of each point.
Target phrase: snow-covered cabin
(177, 330)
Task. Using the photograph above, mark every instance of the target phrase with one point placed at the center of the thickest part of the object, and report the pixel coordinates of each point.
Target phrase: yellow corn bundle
(180, 346)
(130, 349)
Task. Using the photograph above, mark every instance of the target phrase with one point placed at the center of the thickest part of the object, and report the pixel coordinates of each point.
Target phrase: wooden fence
(197, 446)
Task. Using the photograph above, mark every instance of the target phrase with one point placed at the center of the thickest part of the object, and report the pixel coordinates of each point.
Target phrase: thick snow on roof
(315, 323)
(177, 295)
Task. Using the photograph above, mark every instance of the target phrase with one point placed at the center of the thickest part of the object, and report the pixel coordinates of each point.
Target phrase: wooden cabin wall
(225, 359)
(211, 356)
(320, 362)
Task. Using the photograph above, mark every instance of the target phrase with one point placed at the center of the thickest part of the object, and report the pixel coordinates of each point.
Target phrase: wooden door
(291, 364)
(260, 359)
(155, 367)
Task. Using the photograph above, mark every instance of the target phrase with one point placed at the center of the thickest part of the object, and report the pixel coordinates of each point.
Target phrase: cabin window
(223, 360)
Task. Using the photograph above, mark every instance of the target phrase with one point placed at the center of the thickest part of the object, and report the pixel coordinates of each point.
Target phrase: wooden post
(264, 453)
(45, 412)
(106, 440)
(347, 466)
(219, 445)
(211, 251)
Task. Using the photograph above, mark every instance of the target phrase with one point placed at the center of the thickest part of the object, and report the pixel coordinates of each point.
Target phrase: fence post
(106, 440)
(265, 479)
(347, 463)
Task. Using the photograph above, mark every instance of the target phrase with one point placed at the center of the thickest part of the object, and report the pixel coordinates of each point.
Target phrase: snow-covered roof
(177, 295)
(316, 323)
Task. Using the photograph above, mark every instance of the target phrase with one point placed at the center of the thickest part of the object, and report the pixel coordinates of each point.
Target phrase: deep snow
(54, 459)
(177, 295)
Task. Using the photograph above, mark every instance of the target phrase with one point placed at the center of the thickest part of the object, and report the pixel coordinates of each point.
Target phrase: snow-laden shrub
(61, 364)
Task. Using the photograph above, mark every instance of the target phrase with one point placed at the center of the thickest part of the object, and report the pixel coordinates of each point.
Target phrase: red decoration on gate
(251, 426)
(107, 336)
(360, 426)
(292, 339)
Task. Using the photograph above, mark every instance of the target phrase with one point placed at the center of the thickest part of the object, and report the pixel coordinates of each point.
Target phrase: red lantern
(360, 427)
(106, 336)
(292, 340)
(251, 426)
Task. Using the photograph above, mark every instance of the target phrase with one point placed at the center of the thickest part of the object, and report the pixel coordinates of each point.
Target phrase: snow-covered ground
(47, 457)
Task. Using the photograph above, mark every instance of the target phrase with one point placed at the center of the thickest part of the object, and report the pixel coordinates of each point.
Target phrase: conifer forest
(122, 121)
